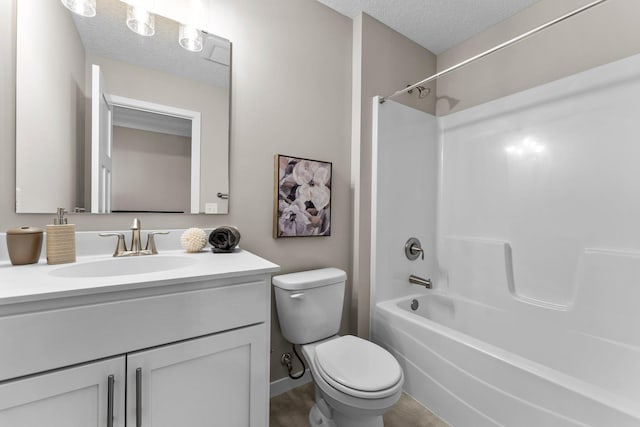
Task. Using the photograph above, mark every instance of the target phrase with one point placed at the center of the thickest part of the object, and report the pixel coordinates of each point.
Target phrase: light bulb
(190, 38)
(81, 7)
(140, 21)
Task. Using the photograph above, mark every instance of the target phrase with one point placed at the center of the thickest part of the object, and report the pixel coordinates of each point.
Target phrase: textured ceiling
(436, 25)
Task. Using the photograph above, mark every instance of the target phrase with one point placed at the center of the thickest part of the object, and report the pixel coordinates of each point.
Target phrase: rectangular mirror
(108, 120)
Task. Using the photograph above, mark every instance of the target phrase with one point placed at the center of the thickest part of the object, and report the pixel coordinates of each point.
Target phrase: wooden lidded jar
(24, 245)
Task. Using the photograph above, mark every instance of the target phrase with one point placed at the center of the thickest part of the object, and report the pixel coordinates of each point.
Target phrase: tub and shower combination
(477, 365)
(534, 315)
(480, 354)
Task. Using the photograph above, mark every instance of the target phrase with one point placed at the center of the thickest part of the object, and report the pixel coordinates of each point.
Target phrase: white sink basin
(124, 266)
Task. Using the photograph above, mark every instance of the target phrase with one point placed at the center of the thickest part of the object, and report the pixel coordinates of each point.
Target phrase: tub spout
(420, 281)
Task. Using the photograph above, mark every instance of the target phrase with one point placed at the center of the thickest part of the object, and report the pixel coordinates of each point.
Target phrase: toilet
(356, 381)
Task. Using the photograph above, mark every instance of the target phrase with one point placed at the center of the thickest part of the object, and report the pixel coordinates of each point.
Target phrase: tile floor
(291, 409)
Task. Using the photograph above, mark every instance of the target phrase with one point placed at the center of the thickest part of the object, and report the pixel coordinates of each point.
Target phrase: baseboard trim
(285, 384)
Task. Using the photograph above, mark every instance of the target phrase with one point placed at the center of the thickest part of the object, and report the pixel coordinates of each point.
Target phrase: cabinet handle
(110, 381)
(139, 397)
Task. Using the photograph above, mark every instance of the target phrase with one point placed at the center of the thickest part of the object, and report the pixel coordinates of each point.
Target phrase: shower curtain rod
(493, 49)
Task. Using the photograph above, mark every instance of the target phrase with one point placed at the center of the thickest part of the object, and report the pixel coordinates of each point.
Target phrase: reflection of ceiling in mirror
(107, 35)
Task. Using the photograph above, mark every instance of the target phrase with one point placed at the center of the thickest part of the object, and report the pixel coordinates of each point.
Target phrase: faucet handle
(121, 246)
(151, 241)
(413, 249)
(136, 225)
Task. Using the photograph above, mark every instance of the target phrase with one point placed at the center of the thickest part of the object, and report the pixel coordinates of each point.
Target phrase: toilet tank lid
(309, 279)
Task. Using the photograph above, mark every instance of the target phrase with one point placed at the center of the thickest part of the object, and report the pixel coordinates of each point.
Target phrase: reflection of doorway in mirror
(134, 176)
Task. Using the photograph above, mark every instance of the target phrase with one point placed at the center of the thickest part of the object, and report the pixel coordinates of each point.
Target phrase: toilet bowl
(356, 381)
(359, 381)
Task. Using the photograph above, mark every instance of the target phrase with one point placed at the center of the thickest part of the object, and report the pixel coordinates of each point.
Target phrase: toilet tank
(309, 304)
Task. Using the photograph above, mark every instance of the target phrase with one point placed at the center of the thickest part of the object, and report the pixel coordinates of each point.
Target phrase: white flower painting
(303, 190)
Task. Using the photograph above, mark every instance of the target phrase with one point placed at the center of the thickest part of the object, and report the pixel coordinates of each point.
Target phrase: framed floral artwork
(303, 197)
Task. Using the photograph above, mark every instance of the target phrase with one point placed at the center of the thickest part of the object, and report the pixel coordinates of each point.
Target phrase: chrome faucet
(136, 242)
(136, 245)
(417, 280)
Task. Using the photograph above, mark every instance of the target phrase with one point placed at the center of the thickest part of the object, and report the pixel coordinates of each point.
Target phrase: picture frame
(302, 199)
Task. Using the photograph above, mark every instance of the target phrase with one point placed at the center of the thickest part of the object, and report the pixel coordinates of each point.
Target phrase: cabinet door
(217, 380)
(71, 397)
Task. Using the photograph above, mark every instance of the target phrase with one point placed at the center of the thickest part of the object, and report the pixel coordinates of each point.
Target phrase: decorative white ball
(193, 240)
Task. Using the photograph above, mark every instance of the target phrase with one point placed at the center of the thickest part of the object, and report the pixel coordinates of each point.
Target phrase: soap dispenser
(61, 240)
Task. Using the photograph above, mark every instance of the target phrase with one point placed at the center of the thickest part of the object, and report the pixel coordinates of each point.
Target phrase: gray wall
(600, 35)
(291, 90)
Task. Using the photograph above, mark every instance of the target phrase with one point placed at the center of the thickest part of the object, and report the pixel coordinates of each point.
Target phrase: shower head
(422, 91)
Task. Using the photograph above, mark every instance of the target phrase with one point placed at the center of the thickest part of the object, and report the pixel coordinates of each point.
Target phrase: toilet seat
(358, 367)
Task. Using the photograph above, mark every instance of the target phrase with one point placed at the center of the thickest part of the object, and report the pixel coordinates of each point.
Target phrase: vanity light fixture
(140, 21)
(190, 38)
(81, 7)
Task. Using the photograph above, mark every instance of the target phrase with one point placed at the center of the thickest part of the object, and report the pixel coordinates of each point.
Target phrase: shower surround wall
(533, 319)
(404, 195)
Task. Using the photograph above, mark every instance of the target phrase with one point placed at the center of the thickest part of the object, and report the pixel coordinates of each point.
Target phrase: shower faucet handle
(413, 249)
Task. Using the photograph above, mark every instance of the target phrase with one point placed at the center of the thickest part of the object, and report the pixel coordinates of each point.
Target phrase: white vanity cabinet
(82, 396)
(211, 381)
(190, 350)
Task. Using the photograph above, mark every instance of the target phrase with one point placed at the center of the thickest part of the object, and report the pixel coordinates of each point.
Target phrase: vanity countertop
(39, 282)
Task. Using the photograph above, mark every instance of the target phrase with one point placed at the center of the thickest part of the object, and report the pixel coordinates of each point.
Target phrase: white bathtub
(478, 365)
